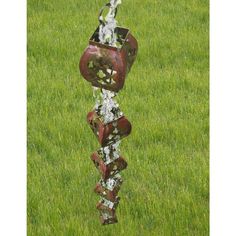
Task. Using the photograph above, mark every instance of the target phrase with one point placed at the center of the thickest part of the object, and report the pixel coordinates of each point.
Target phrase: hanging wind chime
(105, 64)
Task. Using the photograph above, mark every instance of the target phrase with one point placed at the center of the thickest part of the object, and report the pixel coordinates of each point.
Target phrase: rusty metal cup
(109, 194)
(108, 170)
(105, 132)
(106, 66)
(108, 214)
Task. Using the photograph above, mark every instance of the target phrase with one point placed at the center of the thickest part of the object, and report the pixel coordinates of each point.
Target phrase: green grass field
(166, 97)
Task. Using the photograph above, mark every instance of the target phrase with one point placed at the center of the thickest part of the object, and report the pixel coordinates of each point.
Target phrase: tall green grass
(166, 97)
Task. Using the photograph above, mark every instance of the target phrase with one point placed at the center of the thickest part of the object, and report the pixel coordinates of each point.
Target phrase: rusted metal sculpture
(105, 64)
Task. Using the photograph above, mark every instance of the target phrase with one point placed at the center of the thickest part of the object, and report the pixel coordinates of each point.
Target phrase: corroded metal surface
(109, 188)
(111, 132)
(108, 170)
(105, 66)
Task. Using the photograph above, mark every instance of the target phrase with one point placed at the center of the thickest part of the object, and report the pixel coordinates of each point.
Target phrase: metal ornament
(105, 63)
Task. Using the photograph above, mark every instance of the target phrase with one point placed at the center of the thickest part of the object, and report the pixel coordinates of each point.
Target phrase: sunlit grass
(165, 189)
